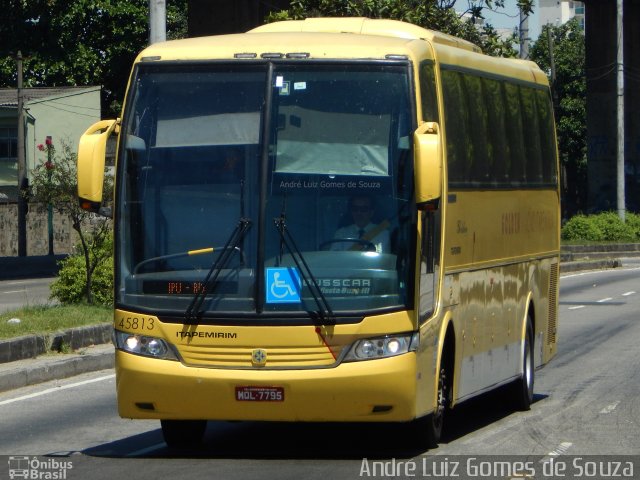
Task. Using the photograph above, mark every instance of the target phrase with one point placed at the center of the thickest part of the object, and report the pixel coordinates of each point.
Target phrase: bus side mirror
(91, 160)
(428, 163)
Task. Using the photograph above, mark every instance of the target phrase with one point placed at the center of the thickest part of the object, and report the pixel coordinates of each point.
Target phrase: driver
(361, 208)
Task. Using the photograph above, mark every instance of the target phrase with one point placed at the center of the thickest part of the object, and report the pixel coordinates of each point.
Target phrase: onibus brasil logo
(36, 469)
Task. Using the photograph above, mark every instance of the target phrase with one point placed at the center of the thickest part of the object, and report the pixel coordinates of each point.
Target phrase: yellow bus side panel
(489, 228)
(501, 255)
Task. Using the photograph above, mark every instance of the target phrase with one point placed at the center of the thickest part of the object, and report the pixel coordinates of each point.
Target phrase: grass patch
(47, 319)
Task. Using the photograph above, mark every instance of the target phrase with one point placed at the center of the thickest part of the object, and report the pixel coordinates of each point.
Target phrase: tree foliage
(53, 182)
(570, 93)
(79, 42)
(454, 17)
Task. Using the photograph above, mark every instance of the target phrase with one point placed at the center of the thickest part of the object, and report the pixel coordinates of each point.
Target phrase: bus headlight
(143, 345)
(382, 347)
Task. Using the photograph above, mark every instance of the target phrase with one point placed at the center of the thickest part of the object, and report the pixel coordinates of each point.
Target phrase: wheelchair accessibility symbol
(283, 285)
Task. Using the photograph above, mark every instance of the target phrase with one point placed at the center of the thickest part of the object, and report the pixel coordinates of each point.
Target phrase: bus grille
(239, 357)
(553, 305)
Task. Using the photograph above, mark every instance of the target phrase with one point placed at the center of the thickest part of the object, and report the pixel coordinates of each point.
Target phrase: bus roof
(325, 38)
(367, 26)
(261, 44)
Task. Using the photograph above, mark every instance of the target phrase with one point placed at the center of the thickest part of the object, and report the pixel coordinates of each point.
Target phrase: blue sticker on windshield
(283, 285)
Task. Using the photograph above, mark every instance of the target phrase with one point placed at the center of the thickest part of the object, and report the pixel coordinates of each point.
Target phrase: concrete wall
(64, 237)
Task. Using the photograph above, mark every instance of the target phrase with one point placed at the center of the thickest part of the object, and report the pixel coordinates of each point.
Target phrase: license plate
(259, 394)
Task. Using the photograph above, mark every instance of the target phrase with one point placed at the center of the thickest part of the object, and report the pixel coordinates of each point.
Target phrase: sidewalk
(32, 359)
(22, 373)
(28, 360)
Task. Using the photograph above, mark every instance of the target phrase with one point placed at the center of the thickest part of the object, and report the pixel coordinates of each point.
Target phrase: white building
(558, 12)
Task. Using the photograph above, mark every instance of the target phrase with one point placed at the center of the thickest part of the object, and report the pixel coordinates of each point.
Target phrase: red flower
(48, 165)
(48, 141)
(41, 147)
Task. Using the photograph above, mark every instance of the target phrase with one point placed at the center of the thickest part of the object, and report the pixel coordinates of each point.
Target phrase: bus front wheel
(428, 430)
(183, 433)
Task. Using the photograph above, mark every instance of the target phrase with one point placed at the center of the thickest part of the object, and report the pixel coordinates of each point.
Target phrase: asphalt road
(587, 402)
(16, 294)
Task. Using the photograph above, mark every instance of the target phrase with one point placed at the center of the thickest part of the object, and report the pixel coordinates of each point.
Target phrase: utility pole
(552, 66)
(22, 168)
(157, 21)
(620, 110)
(524, 35)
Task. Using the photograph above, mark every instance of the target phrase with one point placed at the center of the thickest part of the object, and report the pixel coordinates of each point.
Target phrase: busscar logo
(34, 468)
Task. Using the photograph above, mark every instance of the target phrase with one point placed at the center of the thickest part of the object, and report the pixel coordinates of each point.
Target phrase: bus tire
(183, 433)
(522, 388)
(427, 430)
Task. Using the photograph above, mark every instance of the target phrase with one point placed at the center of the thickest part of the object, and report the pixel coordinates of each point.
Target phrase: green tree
(79, 42)
(448, 16)
(569, 88)
(53, 182)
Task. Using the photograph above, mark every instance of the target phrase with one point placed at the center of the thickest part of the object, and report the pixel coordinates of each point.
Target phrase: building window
(8, 156)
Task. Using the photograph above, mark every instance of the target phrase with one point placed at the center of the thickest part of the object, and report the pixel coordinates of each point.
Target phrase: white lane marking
(14, 291)
(577, 307)
(626, 294)
(57, 389)
(559, 450)
(602, 300)
(144, 451)
(610, 408)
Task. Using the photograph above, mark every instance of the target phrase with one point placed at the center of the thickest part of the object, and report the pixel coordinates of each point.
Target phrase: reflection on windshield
(336, 167)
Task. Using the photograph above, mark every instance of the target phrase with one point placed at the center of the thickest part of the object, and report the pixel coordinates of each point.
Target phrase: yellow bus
(336, 219)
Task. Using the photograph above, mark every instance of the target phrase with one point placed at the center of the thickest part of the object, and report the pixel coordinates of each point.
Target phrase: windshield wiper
(193, 311)
(324, 313)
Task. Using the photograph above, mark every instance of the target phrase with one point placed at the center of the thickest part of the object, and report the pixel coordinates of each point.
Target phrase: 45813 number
(136, 323)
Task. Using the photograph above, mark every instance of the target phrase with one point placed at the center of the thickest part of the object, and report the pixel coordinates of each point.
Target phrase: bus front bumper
(381, 390)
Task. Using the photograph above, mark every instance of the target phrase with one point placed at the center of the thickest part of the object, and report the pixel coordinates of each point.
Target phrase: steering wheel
(365, 245)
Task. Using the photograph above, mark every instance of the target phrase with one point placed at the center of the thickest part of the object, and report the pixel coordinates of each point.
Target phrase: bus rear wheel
(522, 388)
(183, 433)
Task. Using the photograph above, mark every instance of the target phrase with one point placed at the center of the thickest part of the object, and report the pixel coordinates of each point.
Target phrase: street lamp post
(22, 168)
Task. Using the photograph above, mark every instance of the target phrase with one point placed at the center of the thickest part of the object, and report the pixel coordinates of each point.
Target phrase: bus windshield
(278, 177)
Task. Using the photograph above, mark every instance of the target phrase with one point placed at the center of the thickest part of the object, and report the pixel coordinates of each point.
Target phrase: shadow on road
(281, 440)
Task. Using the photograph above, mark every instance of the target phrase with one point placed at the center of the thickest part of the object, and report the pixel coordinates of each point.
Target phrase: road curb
(579, 266)
(30, 346)
(23, 373)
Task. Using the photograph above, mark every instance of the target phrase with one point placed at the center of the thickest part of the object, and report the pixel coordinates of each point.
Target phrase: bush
(602, 227)
(581, 227)
(613, 229)
(70, 286)
(633, 222)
